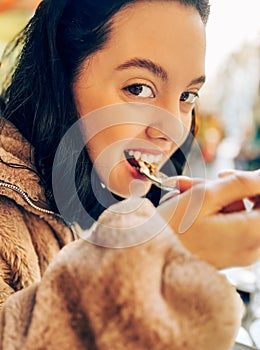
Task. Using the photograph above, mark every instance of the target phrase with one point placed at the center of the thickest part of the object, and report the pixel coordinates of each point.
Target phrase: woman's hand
(211, 220)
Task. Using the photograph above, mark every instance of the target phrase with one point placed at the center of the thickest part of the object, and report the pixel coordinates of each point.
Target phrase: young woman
(84, 60)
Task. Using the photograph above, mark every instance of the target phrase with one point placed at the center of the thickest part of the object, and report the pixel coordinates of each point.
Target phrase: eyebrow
(200, 80)
(147, 64)
(156, 69)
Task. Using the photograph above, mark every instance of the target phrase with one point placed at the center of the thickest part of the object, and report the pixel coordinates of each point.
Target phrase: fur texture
(29, 240)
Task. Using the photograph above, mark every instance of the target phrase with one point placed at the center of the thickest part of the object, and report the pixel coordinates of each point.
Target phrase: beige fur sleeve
(154, 295)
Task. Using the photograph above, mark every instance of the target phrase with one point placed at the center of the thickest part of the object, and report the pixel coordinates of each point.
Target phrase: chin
(136, 188)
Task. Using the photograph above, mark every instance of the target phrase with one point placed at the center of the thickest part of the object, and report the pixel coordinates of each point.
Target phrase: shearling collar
(16, 150)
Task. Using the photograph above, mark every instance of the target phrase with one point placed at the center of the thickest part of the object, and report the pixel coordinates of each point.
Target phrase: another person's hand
(212, 222)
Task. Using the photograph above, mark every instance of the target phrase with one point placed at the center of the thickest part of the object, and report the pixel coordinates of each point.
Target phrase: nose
(155, 132)
(166, 127)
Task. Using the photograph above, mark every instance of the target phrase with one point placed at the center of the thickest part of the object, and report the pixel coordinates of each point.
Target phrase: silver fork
(159, 179)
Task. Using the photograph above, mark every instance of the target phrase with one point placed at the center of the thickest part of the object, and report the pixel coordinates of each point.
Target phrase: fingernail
(169, 195)
(226, 172)
(170, 181)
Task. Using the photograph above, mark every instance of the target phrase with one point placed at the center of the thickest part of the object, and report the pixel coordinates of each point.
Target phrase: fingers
(226, 172)
(212, 220)
(225, 240)
(236, 206)
(206, 198)
(239, 205)
(241, 238)
(182, 183)
(225, 194)
(230, 189)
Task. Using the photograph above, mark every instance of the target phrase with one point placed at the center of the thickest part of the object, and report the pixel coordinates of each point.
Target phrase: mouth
(145, 163)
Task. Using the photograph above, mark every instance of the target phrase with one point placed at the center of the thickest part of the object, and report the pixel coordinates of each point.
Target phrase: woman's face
(154, 56)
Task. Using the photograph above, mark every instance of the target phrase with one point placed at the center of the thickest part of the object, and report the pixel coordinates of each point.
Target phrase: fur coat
(152, 295)
(29, 238)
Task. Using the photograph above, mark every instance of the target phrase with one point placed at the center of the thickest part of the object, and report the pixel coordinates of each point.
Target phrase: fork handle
(170, 182)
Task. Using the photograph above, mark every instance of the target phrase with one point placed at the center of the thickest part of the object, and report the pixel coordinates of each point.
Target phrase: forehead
(156, 29)
(157, 17)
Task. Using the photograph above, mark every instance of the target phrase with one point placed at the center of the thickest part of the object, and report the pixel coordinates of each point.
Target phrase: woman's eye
(140, 90)
(189, 97)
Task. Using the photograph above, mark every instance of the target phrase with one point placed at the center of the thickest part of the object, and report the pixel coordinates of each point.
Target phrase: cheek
(95, 147)
(187, 122)
(113, 140)
(93, 89)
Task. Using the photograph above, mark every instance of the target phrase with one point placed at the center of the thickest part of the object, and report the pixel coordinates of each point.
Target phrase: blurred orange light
(6, 4)
(18, 4)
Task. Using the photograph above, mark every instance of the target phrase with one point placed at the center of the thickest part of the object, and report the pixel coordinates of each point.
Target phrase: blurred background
(13, 16)
(229, 111)
(230, 101)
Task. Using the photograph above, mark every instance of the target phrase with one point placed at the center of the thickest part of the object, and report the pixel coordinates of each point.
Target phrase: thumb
(182, 184)
(232, 188)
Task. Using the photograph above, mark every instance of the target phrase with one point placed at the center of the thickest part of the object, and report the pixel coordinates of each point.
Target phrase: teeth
(145, 158)
(137, 155)
(148, 158)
